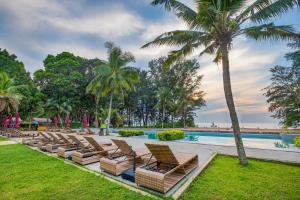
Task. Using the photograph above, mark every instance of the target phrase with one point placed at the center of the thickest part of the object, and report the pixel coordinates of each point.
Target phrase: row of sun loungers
(12, 132)
(156, 167)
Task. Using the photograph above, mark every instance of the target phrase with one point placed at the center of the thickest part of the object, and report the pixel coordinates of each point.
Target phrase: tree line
(69, 86)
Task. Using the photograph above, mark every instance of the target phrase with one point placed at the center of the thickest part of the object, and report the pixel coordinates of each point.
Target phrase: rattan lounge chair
(168, 169)
(86, 153)
(34, 140)
(117, 165)
(42, 143)
(56, 142)
(68, 149)
(104, 148)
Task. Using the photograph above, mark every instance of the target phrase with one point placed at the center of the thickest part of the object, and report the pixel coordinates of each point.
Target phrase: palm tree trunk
(96, 113)
(231, 107)
(30, 120)
(163, 115)
(184, 117)
(60, 120)
(109, 113)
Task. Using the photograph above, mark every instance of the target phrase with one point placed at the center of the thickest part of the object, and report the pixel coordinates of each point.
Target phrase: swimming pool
(252, 140)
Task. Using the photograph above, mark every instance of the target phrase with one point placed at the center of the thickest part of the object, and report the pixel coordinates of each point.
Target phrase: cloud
(32, 29)
(110, 23)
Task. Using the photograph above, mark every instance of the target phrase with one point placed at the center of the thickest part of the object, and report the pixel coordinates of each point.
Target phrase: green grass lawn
(3, 139)
(226, 179)
(28, 174)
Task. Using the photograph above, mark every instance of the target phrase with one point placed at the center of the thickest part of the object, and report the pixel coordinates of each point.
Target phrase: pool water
(261, 141)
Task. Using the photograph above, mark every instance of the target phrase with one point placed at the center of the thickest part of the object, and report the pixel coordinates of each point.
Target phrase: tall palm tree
(95, 90)
(9, 95)
(213, 25)
(114, 77)
(59, 109)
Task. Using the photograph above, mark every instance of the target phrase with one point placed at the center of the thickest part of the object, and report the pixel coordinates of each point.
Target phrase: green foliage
(226, 21)
(127, 133)
(10, 97)
(16, 71)
(48, 177)
(63, 81)
(297, 141)
(284, 92)
(171, 135)
(225, 179)
(113, 77)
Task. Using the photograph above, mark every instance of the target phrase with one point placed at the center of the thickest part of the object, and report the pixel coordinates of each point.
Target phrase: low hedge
(170, 135)
(297, 141)
(127, 133)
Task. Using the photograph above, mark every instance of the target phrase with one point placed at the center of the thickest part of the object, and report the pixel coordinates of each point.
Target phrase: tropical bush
(170, 135)
(297, 142)
(127, 133)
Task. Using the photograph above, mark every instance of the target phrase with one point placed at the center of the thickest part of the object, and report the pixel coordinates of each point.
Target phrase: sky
(32, 29)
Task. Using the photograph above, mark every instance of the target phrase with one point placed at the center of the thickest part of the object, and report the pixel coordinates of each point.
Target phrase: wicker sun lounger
(117, 165)
(168, 169)
(87, 153)
(53, 146)
(68, 149)
(34, 140)
(46, 140)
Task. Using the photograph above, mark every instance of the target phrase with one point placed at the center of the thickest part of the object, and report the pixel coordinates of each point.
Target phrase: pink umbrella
(55, 121)
(10, 121)
(4, 119)
(47, 124)
(68, 121)
(17, 124)
(85, 121)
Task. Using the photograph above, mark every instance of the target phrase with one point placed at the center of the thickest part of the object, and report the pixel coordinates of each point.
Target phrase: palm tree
(114, 77)
(9, 95)
(213, 25)
(95, 90)
(59, 108)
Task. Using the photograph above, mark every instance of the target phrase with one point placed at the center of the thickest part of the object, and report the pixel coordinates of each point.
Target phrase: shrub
(297, 141)
(127, 133)
(170, 135)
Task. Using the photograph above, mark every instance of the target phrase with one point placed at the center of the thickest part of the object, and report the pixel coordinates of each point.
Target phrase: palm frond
(180, 9)
(177, 37)
(262, 10)
(271, 32)
(180, 54)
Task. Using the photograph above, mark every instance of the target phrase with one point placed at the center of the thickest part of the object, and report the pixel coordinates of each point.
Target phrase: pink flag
(10, 121)
(85, 121)
(68, 121)
(55, 121)
(4, 119)
(17, 124)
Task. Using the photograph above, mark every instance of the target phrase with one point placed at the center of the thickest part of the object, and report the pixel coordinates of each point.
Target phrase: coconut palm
(95, 90)
(57, 108)
(114, 77)
(9, 95)
(213, 25)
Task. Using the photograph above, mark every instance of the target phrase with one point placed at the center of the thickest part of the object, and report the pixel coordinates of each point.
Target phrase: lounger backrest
(63, 138)
(162, 153)
(55, 139)
(123, 146)
(77, 141)
(94, 143)
(44, 135)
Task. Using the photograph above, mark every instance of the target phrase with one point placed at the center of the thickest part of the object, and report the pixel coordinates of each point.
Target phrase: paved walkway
(206, 151)
(7, 142)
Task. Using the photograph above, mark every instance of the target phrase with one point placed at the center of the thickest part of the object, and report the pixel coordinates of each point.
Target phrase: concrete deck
(205, 151)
